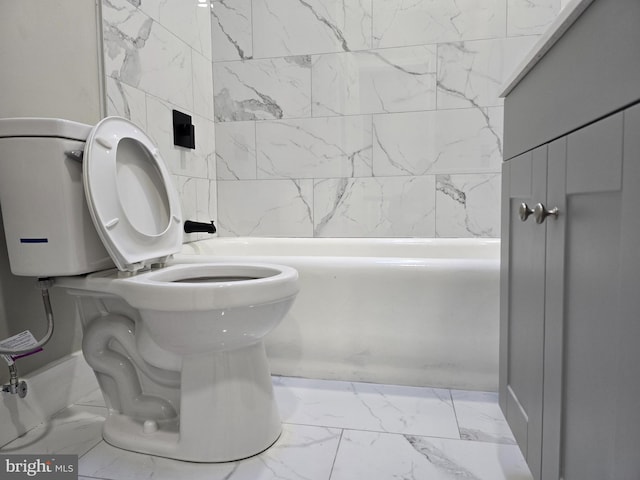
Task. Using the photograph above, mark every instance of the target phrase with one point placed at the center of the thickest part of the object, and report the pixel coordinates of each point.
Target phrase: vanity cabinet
(570, 306)
(570, 285)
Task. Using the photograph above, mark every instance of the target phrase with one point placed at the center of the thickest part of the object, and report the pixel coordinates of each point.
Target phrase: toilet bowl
(177, 348)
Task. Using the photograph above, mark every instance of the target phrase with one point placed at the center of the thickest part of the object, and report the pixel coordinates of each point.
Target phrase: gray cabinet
(570, 285)
(570, 303)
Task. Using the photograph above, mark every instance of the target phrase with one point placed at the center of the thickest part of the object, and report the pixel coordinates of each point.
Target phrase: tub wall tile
(444, 141)
(236, 150)
(375, 81)
(158, 58)
(202, 85)
(463, 204)
(180, 160)
(294, 27)
(144, 54)
(126, 101)
(262, 89)
(361, 117)
(188, 20)
(471, 74)
(398, 22)
(530, 18)
(231, 30)
(374, 207)
(314, 147)
(188, 191)
(407, 92)
(266, 208)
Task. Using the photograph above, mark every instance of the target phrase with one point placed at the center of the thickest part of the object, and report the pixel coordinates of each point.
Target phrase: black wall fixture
(184, 133)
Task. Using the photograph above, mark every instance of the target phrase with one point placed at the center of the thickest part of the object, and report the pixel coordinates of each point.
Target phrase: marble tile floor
(332, 430)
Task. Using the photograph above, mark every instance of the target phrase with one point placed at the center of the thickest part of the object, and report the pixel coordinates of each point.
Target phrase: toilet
(177, 348)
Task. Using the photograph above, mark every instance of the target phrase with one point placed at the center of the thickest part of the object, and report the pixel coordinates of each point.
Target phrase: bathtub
(421, 312)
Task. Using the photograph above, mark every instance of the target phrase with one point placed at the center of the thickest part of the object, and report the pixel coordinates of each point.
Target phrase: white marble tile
(295, 27)
(262, 89)
(443, 141)
(204, 155)
(213, 201)
(202, 85)
(375, 207)
(314, 147)
(381, 456)
(203, 200)
(145, 55)
(480, 418)
(236, 150)
(471, 74)
(188, 192)
(468, 205)
(280, 208)
(301, 452)
(366, 406)
(231, 30)
(186, 19)
(402, 22)
(72, 431)
(530, 17)
(126, 101)
(374, 81)
(179, 160)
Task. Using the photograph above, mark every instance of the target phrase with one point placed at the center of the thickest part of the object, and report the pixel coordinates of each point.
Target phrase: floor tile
(480, 417)
(301, 452)
(365, 406)
(378, 456)
(74, 431)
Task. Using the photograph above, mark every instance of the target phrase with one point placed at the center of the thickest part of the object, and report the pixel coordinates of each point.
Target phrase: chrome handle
(524, 211)
(540, 212)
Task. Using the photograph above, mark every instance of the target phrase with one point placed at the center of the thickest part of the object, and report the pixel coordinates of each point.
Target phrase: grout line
(455, 413)
(335, 457)
(364, 114)
(97, 443)
(368, 430)
(367, 50)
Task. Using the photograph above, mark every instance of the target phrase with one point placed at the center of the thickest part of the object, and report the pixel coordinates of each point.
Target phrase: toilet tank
(47, 225)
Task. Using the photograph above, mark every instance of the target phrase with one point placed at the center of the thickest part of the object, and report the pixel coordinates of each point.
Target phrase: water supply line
(15, 385)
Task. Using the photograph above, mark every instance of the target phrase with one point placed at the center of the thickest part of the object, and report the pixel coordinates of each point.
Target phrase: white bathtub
(418, 312)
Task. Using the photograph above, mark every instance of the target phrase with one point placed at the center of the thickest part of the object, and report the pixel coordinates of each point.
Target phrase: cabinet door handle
(524, 211)
(540, 212)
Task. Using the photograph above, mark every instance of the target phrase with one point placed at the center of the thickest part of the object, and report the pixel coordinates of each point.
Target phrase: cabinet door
(591, 257)
(522, 303)
(627, 426)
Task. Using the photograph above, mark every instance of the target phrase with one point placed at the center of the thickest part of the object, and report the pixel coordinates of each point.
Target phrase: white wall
(49, 57)
(50, 68)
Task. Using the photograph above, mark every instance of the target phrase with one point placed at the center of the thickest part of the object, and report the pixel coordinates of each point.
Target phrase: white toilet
(177, 348)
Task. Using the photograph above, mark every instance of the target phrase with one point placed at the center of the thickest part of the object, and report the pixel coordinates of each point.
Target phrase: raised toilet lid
(132, 201)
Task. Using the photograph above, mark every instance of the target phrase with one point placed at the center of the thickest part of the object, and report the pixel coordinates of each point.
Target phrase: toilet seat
(130, 195)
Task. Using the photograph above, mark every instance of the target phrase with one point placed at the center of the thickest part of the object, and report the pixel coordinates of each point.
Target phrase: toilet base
(227, 411)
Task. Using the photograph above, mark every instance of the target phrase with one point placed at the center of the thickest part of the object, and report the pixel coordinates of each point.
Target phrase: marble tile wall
(364, 118)
(158, 58)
